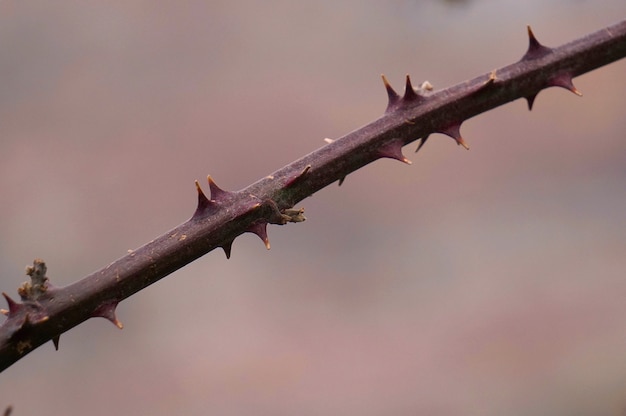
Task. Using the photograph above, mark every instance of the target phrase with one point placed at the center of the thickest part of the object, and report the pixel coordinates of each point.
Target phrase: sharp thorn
(535, 49)
(200, 190)
(217, 193)
(393, 150)
(532, 39)
(391, 94)
(341, 180)
(454, 131)
(564, 81)
(107, 311)
(409, 91)
(260, 229)
(423, 141)
(227, 247)
(203, 202)
(531, 99)
(55, 341)
(13, 305)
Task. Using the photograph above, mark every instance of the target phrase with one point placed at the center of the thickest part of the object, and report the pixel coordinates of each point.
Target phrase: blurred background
(481, 282)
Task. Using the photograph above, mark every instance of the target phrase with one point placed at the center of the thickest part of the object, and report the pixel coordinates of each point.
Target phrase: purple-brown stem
(45, 311)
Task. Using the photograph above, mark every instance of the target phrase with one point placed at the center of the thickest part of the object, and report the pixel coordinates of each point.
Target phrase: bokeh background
(488, 282)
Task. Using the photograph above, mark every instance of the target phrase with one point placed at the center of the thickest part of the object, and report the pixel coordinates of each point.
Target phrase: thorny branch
(45, 311)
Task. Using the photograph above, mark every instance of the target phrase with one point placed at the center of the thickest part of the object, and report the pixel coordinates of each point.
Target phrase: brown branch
(47, 311)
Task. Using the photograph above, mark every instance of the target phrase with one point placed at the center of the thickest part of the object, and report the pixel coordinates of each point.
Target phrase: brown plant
(46, 311)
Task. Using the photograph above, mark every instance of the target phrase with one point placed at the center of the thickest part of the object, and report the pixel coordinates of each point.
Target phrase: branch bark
(45, 311)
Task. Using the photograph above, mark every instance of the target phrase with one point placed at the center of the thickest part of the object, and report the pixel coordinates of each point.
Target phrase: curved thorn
(260, 229)
(533, 43)
(564, 81)
(393, 150)
(391, 94)
(454, 131)
(535, 49)
(217, 193)
(203, 202)
(55, 341)
(14, 307)
(107, 311)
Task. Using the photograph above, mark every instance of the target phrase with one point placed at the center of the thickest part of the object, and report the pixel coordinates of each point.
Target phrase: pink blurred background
(488, 282)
